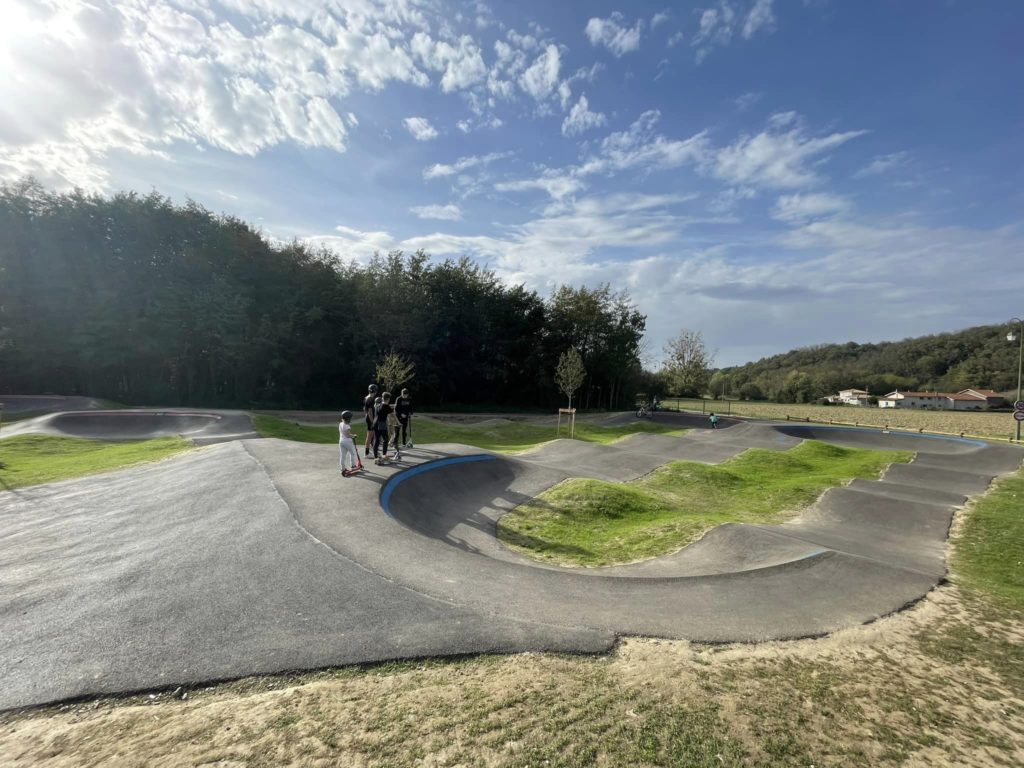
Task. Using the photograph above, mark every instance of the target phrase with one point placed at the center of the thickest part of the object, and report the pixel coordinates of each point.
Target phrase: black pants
(381, 442)
(404, 423)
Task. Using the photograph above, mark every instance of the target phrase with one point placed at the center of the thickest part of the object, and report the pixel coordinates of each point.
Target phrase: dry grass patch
(938, 685)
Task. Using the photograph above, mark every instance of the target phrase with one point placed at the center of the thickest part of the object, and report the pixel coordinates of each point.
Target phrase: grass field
(592, 522)
(990, 555)
(503, 437)
(34, 459)
(980, 423)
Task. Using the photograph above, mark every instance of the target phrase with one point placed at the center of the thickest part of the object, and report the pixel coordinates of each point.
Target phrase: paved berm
(253, 556)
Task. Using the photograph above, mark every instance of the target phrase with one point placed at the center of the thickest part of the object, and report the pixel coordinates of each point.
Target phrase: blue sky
(775, 174)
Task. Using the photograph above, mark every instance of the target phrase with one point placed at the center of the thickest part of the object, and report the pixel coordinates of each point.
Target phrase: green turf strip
(34, 459)
(989, 552)
(592, 522)
(504, 438)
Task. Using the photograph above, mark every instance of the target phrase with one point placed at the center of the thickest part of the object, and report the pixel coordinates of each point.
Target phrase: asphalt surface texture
(255, 556)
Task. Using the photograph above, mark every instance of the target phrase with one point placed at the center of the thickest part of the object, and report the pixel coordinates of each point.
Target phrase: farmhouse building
(967, 400)
(994, 399)
(850, 397)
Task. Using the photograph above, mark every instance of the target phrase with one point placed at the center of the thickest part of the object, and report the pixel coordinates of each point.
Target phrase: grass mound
(593, 522)
(35, 459)
(505, 438)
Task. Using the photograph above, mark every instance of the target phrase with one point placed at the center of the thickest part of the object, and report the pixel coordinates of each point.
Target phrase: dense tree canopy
(138, 300)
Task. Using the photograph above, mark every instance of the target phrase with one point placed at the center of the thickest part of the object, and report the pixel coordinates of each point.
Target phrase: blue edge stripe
(891, 433)
(394, 480)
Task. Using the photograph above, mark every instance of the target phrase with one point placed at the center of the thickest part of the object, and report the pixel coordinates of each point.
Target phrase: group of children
(382, 419)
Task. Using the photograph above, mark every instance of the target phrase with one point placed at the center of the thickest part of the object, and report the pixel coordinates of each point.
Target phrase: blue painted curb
(394, 480)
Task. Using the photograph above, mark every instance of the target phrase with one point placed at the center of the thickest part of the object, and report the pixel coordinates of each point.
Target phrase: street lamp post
(1018, 336)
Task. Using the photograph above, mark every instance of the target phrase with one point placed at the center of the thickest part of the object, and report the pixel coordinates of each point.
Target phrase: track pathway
(255, 556)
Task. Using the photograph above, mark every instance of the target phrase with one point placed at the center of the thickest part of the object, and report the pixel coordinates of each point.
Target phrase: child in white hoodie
(347, 445)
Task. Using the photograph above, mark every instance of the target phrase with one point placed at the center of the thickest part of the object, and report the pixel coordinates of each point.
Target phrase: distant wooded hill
(976, 357)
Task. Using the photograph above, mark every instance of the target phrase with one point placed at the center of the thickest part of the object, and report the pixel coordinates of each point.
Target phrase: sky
(772, 173)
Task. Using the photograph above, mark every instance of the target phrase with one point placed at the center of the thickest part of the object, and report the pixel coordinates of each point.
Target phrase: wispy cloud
(450, 212)
(540, 79)
(776, 158)
(440, 170)
(746, 100)
(882, 164)
(420, 128)
(613, 35)
(801, 208)
(580, 119)
(718, 25)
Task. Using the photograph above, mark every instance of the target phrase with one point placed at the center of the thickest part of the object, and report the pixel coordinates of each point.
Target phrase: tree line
(135, 299)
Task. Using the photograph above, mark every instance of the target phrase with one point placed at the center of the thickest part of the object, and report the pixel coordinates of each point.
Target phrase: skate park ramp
(201, 427)
(18, 404)
(257, 557)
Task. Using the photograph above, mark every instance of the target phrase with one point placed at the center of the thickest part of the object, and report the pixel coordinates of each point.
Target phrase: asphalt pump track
(254, 556)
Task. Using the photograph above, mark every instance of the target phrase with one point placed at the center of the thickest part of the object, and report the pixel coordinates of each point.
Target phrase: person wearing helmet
(347, 446)
(368, 412)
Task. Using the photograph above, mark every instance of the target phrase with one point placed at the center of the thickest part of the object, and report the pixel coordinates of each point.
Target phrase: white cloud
(760, 17)
(450, 212)
(420, 128)
(718, 25)
(639, 146)
(580, 119)
(882, 164)
(557, 184)
(493, 122)
(355, 244)
(463, 164)
(541, 77)
(746, 100)
(676, 39)
(612, 35)
(462, 64)
(801, 208)
(659, 18)
(774, 158)
(725, 202)
(95, 78)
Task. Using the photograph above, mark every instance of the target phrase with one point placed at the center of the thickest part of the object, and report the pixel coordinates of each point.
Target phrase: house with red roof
(965, 400)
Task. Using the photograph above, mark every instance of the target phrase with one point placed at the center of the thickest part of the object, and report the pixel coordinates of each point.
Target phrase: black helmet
(346, 415)
(373, 388)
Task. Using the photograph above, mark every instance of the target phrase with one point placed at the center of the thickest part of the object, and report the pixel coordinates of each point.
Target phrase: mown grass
(592, 522)
(35, 459)
(989, 555)
(504, 438)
